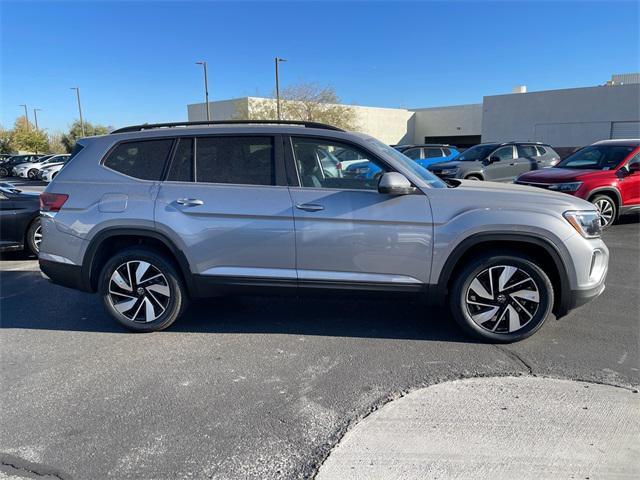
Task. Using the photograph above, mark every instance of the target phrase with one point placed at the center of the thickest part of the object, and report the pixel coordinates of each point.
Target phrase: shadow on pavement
(30, 302)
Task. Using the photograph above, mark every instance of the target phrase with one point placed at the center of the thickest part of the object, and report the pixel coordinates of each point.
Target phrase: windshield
(596, 157)
(479, 152)
(421, 172)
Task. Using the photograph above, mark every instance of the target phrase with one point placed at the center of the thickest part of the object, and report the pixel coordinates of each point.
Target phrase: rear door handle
(309, 207)
(189, 202)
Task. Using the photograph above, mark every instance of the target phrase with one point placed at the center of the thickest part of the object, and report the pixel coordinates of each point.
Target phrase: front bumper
(578, 298)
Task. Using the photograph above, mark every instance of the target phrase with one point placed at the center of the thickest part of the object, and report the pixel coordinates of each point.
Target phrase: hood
(450, 164)
(493, 194)
(557, 175)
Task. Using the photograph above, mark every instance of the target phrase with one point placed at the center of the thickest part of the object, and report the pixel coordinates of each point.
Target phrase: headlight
(586, 222)
(448, 171)
(565, 187)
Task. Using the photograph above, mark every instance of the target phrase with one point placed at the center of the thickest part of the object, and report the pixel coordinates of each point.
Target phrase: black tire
(473, 177)
(32, 242)
(4, 172)
(607, 208)
(507, 305)
(175, 305)
(31, 174)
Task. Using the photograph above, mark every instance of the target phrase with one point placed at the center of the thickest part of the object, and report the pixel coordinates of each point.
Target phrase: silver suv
(154, 215)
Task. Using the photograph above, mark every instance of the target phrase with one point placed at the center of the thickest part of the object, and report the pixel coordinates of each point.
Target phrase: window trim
(131, 140)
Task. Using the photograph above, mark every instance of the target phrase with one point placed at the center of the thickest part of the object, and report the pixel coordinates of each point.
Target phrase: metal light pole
(277, 61)
(77, 89)
(206, 88)
(35, 116)
(26, 114)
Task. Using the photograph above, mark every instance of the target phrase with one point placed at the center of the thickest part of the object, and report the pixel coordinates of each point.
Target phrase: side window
(432, 152)
(446, 151)
(412, 153)
(635, 160)
(235, 160)
(527, 151)
(541, 151)
(315, 172)
(144, 160)
(504, 153)
(181, 169)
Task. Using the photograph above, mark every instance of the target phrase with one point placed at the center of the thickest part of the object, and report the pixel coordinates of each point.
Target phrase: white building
(563, 118)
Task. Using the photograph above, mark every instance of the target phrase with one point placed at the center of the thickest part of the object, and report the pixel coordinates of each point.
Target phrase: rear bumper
(64, 274)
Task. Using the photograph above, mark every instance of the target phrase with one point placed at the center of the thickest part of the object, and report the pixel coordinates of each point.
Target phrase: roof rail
(149, 126)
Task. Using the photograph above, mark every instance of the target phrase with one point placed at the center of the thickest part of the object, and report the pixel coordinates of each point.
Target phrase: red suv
(606, 173)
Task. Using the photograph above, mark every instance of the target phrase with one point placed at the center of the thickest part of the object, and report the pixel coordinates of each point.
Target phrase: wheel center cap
(140, 291)
(501, 298)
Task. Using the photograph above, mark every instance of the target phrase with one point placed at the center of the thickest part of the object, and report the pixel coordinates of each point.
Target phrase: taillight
(52, 202)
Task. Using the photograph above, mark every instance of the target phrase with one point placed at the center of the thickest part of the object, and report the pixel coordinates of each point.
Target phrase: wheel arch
(540, 248)
(480, 175)
(112, 239)
(611, 192)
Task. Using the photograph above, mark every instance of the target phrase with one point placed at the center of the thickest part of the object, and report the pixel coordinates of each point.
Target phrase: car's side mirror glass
(634, 167)
(394, 183)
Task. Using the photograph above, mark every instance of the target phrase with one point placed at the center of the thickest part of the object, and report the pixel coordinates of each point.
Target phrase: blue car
(423, 155)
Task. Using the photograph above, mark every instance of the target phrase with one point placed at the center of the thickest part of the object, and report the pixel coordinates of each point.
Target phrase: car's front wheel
(607, 209)
(142, 290)
(31, 174)
(501, 297)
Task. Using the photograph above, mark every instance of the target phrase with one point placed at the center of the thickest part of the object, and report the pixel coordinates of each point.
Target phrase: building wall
(564, 118)
(220, 110)
(458, 120)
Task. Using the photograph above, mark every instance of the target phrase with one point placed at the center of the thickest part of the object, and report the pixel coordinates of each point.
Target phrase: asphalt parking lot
(258, 387)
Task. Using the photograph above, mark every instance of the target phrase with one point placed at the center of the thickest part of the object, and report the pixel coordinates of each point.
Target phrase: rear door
(527, 160)
(350, 236)
(225, 202)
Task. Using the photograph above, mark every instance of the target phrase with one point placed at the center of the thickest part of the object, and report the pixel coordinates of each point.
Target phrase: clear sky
(134, 61)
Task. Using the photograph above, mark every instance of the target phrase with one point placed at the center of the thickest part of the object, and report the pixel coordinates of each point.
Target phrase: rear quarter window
(144, 159)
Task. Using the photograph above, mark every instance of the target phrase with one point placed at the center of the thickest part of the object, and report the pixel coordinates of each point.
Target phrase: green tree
(308, 102)
(75, 132)
(6, 137)
(55, 143)
(25, 137)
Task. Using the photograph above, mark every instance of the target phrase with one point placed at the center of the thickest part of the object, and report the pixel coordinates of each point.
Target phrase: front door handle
(309, 207)
(189, 202)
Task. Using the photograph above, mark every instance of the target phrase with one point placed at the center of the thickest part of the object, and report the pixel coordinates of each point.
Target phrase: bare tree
(306, 102)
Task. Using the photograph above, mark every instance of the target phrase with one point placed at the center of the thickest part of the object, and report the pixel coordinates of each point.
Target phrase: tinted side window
(446, 151)
(542, 150)
(144, 160)
(527, 151)
(181, 169)
(504, 153)
(412, 153)
(237, 160)
(432, 152)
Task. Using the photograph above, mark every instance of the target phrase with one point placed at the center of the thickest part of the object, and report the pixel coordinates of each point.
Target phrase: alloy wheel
(37, 237)
(139, 291)
(502, 299)
(606, 210)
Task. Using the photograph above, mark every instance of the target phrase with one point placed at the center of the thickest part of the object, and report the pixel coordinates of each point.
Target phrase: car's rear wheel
(34, 236)
(501, 297)
(607, 209)
(142, 290)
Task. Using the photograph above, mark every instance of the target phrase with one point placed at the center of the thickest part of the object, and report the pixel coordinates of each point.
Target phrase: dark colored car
(498, 162)
(19, 220)
(606, 173)
(6, 167)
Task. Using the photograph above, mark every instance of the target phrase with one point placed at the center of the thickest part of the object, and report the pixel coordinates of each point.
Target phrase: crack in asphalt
(517, 357)
(13, 465)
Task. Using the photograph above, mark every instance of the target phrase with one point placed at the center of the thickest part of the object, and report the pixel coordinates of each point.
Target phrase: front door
(503, 165)
(630, 184)
(349, 235)
(226, 205)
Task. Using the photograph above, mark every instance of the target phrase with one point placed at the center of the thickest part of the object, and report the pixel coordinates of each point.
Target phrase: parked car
(6, 168)
(150, 216)
(499, 162)
(48, 172)
(30, 169)
(428, 154)
(19, 220)
(606, 174)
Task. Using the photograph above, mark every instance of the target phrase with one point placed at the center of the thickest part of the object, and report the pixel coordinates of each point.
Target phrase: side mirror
(493, 159)
(634, 167)
(394, 183)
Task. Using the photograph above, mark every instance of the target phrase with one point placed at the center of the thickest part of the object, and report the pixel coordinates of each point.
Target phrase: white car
(49, 172)
(30, 169)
